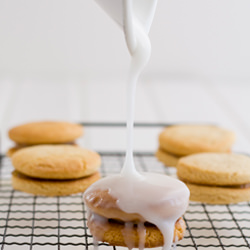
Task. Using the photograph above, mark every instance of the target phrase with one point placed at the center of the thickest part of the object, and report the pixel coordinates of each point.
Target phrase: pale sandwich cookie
(216, 178)
(108, 223)
(54, 169)
(182, 140)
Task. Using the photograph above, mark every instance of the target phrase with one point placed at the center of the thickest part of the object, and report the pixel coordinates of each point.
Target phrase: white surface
(224, 103)
(72, 38)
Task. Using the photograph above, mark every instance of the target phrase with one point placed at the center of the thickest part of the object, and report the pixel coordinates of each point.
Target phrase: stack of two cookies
(182, 140)
(108, 223)
(216, 178)
(54, 170)
(47, 160)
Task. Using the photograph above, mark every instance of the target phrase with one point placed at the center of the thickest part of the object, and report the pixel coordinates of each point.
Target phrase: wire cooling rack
(34, 222)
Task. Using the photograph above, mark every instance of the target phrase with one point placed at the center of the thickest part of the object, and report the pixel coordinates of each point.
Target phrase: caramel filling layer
(169, 153)
(23, 176)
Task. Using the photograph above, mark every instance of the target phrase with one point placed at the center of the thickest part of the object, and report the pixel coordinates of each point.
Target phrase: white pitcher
(143, 10)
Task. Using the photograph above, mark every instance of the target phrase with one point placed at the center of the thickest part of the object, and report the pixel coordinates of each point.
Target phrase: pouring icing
(159, 199)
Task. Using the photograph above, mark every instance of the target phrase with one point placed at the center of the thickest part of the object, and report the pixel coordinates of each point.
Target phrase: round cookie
(167, 158)
(183, 140)
(218, 195)
(52, 188)
(109, 223)
(218, 169)
(216, 178)
(48, 132)
(114, 233)
(56, 161)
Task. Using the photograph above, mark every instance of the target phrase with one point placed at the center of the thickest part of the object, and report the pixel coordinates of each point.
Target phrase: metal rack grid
(34, 222)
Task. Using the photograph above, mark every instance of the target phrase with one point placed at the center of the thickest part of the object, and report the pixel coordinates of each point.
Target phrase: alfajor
(216, 178)
(108, 223)
(137, 210)
(182, 140)
(54, 169)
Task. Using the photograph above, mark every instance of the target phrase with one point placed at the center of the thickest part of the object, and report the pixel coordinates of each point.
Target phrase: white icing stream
(140, 49)
(159, 199)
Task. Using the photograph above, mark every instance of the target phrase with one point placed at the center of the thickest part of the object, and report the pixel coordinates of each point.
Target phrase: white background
(67, 60)
(76, 39)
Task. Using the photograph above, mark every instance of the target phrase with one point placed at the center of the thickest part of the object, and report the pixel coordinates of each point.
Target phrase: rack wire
(35, 222)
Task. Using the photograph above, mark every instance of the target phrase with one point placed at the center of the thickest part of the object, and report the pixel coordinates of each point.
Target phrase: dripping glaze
(159, 199)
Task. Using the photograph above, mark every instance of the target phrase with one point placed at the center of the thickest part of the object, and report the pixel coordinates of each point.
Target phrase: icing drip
(159, 199)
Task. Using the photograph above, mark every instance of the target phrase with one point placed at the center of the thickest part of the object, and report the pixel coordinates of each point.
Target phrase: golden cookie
(216, 178)
(168, 159)
(56, 161)
(45, 133)
(190, 139)
(114, 233)
(109, 223)
(218, 169)
(52, 187)
(219, 195)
